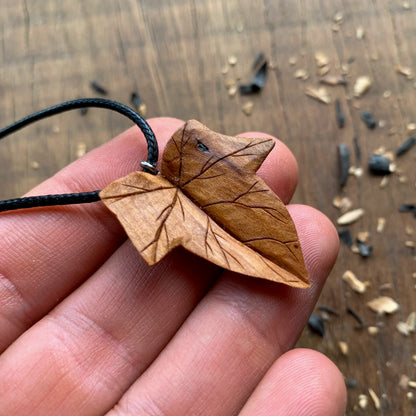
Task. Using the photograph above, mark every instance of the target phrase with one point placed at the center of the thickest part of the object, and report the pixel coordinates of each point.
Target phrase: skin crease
(87, 328)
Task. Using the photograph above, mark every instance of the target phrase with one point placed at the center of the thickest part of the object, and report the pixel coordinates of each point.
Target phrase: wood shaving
(392, 167)
(372, 330)
(384, 182)
(338, 17)
(361, 86)
(404, 70)
(354, 283)
(301, 74)
(404, 381)
(230, 82)
(232, 60)
(362, 401)
(409, 231)
(142, 110)
(232, 91)
(356, 171)
(383, 304)
(363, 236)
(389, 155)
(320, 94)
(387, 94)
(323, 70)
(360, 33)
(345, 68)
(321, 59)
(350, 217)
(410, 244)
(333, 80)
(293, 60)
(411, 128)
(325, 316)
(342, 203)
(412, 384)
(386, 286)
(335, 27)
(403, 328)
(375, 398)
(411, 322)
(381, 223)
(343, 346)
(410, 395)
(406, 5)
(247, 108)
(34, 165)
(81, 149)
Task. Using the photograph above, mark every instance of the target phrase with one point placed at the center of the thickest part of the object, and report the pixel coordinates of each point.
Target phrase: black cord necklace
(148, 166)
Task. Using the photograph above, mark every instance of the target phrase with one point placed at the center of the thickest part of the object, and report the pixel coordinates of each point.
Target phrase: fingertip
(319, 241)
(301, 382)
(164, 127)
(319, 383)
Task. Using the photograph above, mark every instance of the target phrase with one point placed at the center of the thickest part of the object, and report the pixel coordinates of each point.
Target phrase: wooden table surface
(173, 53)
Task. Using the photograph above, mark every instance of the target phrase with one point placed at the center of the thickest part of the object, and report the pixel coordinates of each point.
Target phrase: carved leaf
(210, 201)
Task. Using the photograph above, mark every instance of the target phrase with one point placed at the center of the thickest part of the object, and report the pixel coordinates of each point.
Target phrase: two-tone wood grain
(209, 200)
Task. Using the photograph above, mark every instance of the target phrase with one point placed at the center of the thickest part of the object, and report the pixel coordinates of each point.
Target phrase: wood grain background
(172, 53)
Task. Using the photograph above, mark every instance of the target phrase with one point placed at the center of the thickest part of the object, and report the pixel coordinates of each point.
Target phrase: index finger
(47, 252)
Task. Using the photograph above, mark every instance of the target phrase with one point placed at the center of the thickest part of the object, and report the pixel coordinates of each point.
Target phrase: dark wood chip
(364, 249)
(258, 80)
(406, 146)
(135, 100)
(339, 114)
(260, 59)
(351, 383)
(247, 89)
(345, 237)
(98, 88)
(344, 163)
(357, 149)
(316, 323)
(408, 208)
(368, 119)
(355, 316)
(328, 310)
(83, 111)
(379, 165)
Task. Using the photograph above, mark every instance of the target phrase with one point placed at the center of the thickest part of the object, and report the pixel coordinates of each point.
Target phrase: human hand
(87, 328)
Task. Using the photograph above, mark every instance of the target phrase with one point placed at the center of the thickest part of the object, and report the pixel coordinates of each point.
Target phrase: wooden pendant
(209, 200)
